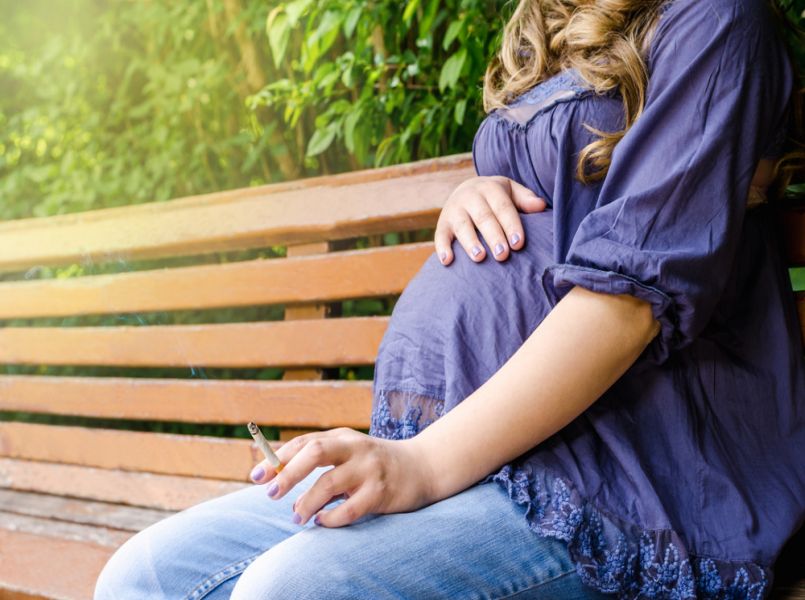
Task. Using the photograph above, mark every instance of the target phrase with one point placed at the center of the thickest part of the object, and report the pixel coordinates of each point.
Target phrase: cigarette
(262, 443)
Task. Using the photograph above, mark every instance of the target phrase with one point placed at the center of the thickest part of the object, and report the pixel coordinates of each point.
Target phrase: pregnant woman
(617, 408)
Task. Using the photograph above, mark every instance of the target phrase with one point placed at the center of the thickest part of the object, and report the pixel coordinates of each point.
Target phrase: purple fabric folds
(686, 478)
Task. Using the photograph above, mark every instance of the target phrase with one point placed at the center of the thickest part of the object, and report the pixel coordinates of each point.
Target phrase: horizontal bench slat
(318, 209)
(101, 536)
(329, 277)
(83, 512)
(163, 492)
(317, 404)
(189, 455)
(312, 342)
(34, 566)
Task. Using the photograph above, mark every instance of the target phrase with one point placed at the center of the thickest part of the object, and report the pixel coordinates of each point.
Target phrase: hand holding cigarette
(374, 475)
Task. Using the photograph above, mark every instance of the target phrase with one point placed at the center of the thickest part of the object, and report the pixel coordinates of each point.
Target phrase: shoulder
(735, 40)
(688, 27)
(732, 13)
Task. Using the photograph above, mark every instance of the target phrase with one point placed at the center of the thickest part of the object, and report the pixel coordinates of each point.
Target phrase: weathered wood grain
(313, 342)
(163, 492)
(399, 198)
(324, 404)
(350, 274)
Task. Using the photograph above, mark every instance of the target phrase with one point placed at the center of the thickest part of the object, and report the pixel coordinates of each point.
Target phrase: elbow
(643, 318)
(634, 315)
(637, 316)
(654, 330)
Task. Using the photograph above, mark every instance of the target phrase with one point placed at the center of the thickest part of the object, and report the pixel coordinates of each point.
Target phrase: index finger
(264, 472)
(320, 451)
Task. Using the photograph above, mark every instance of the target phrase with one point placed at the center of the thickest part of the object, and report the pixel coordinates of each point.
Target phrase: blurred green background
(106, 103)
(112, 102)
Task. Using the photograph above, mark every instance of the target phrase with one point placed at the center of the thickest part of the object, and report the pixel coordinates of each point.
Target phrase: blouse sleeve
(670, 212)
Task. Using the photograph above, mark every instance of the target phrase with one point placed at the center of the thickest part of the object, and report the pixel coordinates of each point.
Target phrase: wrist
(419, 461)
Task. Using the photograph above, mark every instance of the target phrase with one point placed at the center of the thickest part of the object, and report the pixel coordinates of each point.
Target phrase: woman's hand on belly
(374, 475)
(491, 205)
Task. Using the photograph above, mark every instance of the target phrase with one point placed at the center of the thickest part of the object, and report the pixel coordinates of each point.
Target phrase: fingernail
(297, 518)
(272, 491)
(257, 473)
(476, 250)
(443, 256)
(317, 521)
(498, 249)
(515, 239)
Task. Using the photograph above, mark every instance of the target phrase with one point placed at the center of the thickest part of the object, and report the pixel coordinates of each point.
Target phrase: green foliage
(375, 83)
(112, 103)
(108, 103)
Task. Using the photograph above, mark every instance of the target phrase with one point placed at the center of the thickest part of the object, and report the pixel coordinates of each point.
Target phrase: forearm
(578, 351)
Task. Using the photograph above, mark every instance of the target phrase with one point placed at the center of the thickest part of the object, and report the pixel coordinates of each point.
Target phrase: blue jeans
(475, 544)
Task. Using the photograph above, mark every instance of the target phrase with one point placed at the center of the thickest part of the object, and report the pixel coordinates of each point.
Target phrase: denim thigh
(200, 552)
(475, 544)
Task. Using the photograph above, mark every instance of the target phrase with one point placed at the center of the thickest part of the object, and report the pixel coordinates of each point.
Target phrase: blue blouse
(686, 478)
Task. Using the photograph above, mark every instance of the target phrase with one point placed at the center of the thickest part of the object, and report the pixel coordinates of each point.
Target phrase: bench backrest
(317, 220)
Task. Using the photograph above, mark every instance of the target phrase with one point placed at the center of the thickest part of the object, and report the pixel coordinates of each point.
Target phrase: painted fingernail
(297, 518)
(257, 473)
(498, 249)
(317, 520)
(272, 491)
(515, 239)
(443, 256)
(476, 250)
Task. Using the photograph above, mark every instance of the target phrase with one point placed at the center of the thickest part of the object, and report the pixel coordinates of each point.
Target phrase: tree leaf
(278, 29)
(350, 122)
(296, 9)
(426, 22)
(352, 21)
(452, 31)
(320, 141)
(459, 111)
(452, 70)
(409, 11)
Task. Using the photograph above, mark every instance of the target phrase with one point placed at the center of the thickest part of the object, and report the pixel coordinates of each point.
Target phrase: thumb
(526, 200)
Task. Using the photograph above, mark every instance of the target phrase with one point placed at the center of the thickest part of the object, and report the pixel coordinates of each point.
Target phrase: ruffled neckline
(561, 87)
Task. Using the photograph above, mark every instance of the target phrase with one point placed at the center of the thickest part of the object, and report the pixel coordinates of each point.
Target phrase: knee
(299, 567)
(153, 563)
(129, 573)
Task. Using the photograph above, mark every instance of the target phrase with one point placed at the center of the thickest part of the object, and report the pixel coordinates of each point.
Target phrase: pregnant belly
(454, 326)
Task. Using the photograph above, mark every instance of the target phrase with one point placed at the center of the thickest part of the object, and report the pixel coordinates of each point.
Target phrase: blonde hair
(606, 41)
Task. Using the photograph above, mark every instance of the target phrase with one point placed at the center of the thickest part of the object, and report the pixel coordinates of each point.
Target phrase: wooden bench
(70, 493)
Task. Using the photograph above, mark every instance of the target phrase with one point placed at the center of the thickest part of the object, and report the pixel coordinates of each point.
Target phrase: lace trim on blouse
(610, 555)
(564, 86)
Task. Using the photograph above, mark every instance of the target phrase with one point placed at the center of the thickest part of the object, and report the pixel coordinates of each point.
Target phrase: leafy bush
(109, 103)
(382, 82)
